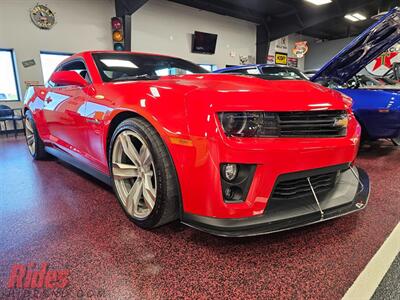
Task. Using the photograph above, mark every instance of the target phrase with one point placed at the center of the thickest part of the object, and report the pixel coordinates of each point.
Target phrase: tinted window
(247, 71)
(129, 66)
(77, 66)
(282, 73)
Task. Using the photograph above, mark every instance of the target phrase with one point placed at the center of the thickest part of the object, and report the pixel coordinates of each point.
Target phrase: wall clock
(42, 17)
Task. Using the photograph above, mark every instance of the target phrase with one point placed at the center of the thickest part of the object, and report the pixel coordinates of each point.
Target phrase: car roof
(84, 53)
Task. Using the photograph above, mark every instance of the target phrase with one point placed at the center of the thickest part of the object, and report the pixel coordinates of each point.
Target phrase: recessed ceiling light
(359, 16)
(355, 17)
(319, 2)
(351, 18)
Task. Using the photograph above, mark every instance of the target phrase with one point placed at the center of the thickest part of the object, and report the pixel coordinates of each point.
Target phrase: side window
(78, 67)
(49, 61)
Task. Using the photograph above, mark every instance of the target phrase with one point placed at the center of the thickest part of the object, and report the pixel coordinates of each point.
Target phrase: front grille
(300, 188)
(312, 124)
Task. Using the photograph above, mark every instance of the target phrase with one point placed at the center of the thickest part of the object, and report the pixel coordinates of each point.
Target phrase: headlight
(249, 124)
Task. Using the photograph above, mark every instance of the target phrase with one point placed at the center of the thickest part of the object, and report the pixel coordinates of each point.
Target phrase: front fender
(377, 110)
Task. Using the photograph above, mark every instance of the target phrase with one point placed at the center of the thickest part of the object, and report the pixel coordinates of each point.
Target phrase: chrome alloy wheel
(30, 136)
(134, 174)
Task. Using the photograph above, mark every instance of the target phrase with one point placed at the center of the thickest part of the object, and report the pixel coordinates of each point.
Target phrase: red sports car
(231, 155)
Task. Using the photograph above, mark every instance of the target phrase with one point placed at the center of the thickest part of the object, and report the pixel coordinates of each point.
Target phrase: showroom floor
(53, 213)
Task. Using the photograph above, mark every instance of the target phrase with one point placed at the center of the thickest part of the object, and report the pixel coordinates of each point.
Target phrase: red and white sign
(383, 63)
(300, 49)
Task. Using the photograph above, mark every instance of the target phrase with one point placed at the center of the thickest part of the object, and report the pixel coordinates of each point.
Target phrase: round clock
(42, 17)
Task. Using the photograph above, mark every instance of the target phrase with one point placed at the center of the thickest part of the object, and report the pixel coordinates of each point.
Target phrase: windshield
(282, 73)
(129, 66)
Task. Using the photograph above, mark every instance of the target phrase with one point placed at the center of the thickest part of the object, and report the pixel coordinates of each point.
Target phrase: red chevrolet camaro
(231, 155)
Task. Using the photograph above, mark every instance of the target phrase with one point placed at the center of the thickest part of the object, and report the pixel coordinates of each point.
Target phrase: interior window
(172, 71)
(78, 67)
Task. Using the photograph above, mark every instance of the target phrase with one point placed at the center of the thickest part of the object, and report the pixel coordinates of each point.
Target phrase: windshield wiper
(137, 77)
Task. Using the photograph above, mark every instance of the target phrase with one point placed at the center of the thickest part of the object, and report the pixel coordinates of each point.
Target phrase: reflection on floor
(51, 212)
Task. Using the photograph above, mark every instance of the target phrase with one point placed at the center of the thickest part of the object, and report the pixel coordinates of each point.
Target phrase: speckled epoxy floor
(50, 212)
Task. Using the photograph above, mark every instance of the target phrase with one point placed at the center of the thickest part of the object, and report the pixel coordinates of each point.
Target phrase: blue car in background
(376, 107)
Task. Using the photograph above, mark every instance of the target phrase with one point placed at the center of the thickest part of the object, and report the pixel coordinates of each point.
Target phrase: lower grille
(300, 188)
(313, 124)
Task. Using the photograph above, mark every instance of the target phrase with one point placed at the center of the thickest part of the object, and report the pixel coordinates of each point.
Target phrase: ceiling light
(319, 2)
(351, 18)
(355, 17)
(359, 16)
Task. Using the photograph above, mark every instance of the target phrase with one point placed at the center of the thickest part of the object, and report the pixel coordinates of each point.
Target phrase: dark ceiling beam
(225, 9)
(127, 7)
(290, 24)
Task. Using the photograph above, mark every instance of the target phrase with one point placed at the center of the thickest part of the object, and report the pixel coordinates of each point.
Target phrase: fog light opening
(233, 194)
(230, 171)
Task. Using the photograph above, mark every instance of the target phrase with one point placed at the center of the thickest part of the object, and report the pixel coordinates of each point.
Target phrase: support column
(262, 44)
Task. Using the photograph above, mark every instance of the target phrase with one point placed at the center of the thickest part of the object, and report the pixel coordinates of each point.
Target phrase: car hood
(363, 49)
(237, 92)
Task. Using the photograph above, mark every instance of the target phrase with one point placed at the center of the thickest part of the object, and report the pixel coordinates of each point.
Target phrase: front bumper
(350, 195)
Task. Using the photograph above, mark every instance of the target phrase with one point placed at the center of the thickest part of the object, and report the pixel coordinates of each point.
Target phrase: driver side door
(64, 109)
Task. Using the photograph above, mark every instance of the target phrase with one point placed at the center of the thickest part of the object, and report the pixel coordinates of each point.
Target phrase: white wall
(81, 25)
(320, 53)
(164, 27)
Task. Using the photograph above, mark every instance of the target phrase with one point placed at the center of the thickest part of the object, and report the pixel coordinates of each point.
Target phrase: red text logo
(31, 276)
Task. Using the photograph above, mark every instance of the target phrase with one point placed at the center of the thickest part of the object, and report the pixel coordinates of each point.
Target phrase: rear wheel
(143, 175)
(33, 140)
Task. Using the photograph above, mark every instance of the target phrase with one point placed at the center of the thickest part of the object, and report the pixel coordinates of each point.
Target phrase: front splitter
(262, 224)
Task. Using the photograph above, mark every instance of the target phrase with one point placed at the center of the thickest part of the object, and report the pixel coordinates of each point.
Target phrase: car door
(96, 109)
(64, 108)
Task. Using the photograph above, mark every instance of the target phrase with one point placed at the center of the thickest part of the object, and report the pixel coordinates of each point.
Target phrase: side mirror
(67, 78)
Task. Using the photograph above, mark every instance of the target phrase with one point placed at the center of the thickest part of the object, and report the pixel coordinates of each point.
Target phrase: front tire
(143, 174)
(33, 140)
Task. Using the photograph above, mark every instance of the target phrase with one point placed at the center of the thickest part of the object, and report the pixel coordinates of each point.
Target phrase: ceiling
(283, 17)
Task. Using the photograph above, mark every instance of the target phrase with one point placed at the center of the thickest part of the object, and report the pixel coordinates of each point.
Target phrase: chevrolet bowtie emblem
(341, 122)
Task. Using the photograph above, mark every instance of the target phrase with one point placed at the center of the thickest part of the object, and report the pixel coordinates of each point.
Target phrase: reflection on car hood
(362, 50)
